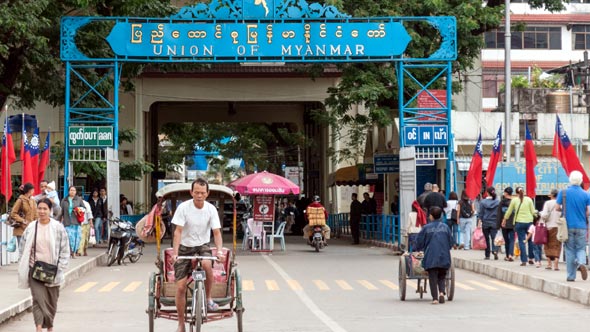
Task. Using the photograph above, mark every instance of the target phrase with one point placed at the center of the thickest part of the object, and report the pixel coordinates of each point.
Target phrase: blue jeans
(465, 225)
(537, 249)
(521, 230)
(455, 231)
(490, 234)
(98, 229)
(575, 251)
(509, 240)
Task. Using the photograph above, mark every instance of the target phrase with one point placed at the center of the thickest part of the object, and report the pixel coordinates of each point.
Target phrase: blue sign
(425, 162)
(308, 41)
(513, 174)
(426, 135)
(386, 163)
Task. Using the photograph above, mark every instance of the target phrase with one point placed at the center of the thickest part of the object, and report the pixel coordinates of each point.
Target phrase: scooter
(123, 243)
(317, 238)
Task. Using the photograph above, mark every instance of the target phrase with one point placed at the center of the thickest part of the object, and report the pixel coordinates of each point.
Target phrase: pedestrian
(69, 220)
(452, 220)
(105, 214)
(465, 211)
(291, 214)
(488, 220)
(356, 210)
(434, 198)
(422, 197)
(550, 215)
(23, 212)
(86, 226)
(575, 202)
(537, 248)
(48, 191)
(524, 213)
(125, 208)
(367, 204)
(508, 226)
(195, 220)
(45, 241)
(96, 208)
(436, 240)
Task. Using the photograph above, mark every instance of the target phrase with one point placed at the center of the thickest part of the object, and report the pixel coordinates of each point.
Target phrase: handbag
(13, 222)
(562, 235)
(92, 239)
(11, 245)
(454, 214)
(42, 271)
(541, 234)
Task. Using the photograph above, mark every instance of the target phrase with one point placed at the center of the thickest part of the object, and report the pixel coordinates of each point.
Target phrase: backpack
(466, 210)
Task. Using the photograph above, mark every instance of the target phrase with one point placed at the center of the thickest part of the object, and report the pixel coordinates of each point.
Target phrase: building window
(548, 38)
(581, 37)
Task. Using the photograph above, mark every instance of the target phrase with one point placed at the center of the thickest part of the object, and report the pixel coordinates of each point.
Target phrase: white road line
(313, 308)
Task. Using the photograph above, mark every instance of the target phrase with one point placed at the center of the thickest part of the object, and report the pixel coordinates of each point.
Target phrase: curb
(558, 289)
(69, 277)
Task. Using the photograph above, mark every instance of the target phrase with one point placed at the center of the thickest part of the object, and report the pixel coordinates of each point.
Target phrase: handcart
(410, 269)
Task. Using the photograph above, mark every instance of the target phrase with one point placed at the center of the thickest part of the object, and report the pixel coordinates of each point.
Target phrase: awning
(358, 175)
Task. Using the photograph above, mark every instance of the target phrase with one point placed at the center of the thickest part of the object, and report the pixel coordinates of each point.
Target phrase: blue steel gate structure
(259, 31)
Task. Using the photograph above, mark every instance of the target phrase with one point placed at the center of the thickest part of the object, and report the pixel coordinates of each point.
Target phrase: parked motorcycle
(123, 243)
(317, 238)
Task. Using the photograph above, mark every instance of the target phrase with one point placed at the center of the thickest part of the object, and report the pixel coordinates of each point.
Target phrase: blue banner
(309, 41)
(513, 174)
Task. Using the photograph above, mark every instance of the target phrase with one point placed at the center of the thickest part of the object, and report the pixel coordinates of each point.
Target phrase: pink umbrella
(264, 183)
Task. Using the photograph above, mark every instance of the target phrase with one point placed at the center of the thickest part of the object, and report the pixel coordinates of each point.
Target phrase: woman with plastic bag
(488, 219)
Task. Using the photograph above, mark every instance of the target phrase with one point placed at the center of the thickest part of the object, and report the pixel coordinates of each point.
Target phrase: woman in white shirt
(452, 220)
(550, 216)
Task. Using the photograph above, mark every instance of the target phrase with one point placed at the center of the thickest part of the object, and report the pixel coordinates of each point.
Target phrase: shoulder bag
(541, 234)
(562, 223)
(42, 271)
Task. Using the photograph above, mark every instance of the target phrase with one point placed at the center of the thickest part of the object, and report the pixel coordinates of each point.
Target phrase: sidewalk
(539, 279)
(15, 301)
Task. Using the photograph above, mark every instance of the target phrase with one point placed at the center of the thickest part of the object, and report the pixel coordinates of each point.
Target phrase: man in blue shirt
(576, 209)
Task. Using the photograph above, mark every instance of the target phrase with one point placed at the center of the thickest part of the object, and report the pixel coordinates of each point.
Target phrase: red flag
(34, 151)
(27, 173)
(473, 183)
(564, 151)
(8, 158)
(43, 163)
(494, 158)
(531, 161)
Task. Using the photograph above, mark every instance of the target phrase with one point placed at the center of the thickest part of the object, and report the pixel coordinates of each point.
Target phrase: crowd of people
(511, 221)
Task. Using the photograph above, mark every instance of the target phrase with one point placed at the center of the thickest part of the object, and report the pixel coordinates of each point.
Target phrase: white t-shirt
(197, 223)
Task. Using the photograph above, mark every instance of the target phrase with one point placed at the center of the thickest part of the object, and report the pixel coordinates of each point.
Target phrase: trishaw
(227, 286)
(410, 267)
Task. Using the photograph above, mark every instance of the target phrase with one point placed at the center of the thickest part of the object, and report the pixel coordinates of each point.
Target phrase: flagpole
(5, 159)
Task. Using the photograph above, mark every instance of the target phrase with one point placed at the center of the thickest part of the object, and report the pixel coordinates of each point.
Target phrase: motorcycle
(123, 243)
(317, 238)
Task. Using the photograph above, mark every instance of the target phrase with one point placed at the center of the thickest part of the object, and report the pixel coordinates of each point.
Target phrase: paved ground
(14, 301)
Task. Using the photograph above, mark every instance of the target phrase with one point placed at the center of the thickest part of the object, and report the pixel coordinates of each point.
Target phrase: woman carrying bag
(46, 245)
(69, 220)
(23, 212)
(488, 219)
(523, 219)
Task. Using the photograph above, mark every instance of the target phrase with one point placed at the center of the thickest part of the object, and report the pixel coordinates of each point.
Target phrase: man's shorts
(184, 267)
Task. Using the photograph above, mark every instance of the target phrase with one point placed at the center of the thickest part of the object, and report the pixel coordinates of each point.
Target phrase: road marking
(132, 286)
(463, 286)
(84, 288)
(294, 284)
(506, 285)
(412, 283)
(389, 284)
(248, 285)
(272, 285)
(367, 284)
(109, 287)
(481, 284)
(313, 308)
(344, 285)
(321, 285)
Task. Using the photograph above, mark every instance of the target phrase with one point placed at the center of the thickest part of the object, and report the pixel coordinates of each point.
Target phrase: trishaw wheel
(237, 298)
(402, 274)
(451, 284)
(151, 318)
(198, 307)
(152, 301)
(422, 287)
(239, 314)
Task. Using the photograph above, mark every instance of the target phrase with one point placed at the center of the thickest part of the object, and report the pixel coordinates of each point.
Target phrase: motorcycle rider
(316, 215)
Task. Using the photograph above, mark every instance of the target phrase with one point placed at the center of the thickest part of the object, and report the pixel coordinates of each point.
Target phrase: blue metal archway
(263, 31)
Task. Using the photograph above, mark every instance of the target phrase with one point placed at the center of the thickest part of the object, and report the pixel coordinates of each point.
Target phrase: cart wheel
(152, 301)
(422, 288)
(402, 274)
(451, 284)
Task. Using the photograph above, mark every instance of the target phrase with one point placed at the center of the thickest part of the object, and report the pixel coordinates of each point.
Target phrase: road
(344, 288)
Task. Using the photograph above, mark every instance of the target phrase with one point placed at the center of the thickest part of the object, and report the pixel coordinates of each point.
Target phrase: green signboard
(90, 136)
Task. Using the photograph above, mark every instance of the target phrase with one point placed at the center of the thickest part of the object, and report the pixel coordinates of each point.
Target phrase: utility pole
(587, 80)
(507, 78)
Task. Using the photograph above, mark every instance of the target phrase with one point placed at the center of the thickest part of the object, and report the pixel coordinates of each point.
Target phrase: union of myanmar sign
(342, 40)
